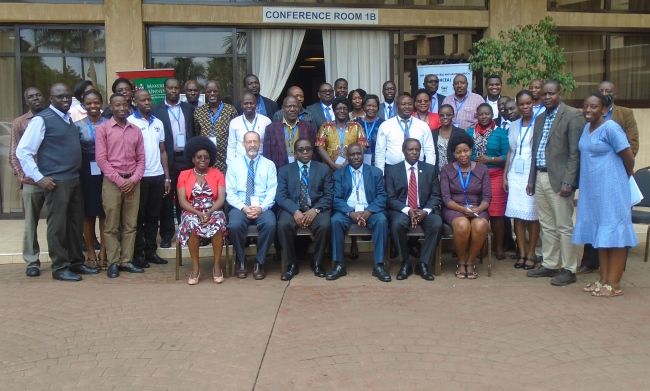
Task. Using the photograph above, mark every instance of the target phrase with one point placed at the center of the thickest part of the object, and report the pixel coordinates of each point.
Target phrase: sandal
(593, 287)
(460, 275)
(473, 275)
(104, 264)
(519, 265)
(530, 267)
(92, 263)
(607, 291)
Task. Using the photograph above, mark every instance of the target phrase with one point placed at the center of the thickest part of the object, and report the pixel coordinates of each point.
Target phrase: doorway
(308, 72)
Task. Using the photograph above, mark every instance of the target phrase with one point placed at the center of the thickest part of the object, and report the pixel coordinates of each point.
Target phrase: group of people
(350, 158)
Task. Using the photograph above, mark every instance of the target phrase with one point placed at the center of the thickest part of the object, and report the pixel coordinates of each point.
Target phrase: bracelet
(566, 184)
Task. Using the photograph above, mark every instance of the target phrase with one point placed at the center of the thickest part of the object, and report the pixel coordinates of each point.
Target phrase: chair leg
(489, 260)
(647, 243)
(228, 268)
(179, 258)
(438, 268)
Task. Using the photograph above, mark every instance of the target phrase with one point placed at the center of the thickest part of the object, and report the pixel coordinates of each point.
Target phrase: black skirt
(91, 186)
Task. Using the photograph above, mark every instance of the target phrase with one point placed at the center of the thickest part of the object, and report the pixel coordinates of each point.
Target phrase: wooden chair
(448, 234)
(179, 258)
(356, 230)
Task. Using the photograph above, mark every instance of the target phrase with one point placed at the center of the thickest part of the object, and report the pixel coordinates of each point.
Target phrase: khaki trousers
(120, 210)
(33, 201)
(556, 219)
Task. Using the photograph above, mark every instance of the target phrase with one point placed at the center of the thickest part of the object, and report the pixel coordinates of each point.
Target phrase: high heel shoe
(217, 279)
(192, 280)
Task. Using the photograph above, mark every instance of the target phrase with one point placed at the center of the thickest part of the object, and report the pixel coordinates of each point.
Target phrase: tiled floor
(150, 332)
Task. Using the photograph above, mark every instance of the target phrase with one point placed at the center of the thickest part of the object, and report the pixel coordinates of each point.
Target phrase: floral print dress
(191, 224)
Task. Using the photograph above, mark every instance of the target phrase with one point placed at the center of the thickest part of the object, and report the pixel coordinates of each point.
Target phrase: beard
(251, 153)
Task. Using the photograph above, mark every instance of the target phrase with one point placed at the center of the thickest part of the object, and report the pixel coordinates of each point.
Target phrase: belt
(542, 169)
(178, 153)
(127, 175)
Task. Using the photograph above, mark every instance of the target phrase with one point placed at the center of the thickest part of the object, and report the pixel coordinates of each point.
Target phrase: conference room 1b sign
(320, 16)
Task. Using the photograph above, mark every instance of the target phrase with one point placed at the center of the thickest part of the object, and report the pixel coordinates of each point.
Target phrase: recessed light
(315, 59)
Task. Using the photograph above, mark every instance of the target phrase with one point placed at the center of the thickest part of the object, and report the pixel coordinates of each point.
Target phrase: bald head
(60, 97)
(298, 93)
(607, 88)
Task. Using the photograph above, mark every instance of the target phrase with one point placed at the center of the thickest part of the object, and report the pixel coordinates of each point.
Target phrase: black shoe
(155, 258)
(113, 270)
(319, 270)
(141, 263)
(543, 271)
(336, 272)
(585, 270)
(32, 272)
(65, 275)
(165, 243)
(405, 271)
(83, 269)
(565, 277)
(535, 261)
(422, 270)
(258, 271)
(241, 270)
(131, 268)
(381, 273)
(292, 270)
(414, 250)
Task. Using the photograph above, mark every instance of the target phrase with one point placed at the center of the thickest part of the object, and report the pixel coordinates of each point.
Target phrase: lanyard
(286, 134)
(406, 131)
(356, 184)
(246, 122)
(214, 118)
(372, 128)
(304, 179)
(300, 116)
(327, 112)
(341, 133)
(91, 128)
(465, 183)
(176, 117)
(522, 138)
(462, 103)
(248, 167)
(389, 113)
(609, 113)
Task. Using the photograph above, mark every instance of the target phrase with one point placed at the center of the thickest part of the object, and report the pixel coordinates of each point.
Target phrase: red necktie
(413, 191)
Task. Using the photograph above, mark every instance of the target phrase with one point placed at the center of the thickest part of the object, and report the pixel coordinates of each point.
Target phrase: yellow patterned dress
(330, 138)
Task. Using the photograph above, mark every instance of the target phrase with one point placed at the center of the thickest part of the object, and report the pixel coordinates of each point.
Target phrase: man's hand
(252, 212)
(127, 186)
(168, 188)
(565, 191)
(355, 216)
(421, 216)
(299, 217)
(46, 183)
(413, 214)
(309, 217)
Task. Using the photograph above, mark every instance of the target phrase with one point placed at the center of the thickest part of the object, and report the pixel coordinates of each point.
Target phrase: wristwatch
(318, 210)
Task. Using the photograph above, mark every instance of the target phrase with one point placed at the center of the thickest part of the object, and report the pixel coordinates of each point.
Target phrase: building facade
(295, 43)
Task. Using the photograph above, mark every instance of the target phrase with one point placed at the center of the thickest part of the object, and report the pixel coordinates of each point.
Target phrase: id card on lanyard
(180, 137)
(465, 183)
(458, 109)
(94, 168)
(367, 157)
(341, 133)
(358, 205)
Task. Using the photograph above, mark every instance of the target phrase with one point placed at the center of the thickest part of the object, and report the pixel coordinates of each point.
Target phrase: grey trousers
(33, 201)
(65, 220)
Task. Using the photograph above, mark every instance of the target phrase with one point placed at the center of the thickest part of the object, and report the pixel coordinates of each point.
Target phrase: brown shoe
(241, 270)
(258, 271)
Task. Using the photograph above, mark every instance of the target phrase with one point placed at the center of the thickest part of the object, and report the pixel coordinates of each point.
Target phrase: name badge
(255, 201)
(291, 159)
(358, 208)
(367, 158)
(180, 140)
(213, 139)
(94, 168)
(340, 160)
(519, 165)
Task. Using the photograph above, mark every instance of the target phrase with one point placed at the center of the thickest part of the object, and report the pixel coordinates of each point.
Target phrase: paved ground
(149, 332)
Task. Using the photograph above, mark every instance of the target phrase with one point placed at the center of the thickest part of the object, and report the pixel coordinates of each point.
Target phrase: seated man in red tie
(414, 200)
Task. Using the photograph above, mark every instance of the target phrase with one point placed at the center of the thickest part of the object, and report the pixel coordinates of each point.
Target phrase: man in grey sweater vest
(52, 136)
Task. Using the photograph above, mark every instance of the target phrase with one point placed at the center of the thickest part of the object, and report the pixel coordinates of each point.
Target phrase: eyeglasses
(445, 115)
(63, 96)
(326, 91)
(304, 150)
(432, 81)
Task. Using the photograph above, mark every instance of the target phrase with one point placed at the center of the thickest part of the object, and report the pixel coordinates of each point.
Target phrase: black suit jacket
(397, 187)
(321, 187)
(159, 111)
(440, 99)
(317, 113)
(269, 105)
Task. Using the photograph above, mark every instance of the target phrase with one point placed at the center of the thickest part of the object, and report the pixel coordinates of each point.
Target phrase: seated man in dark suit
(414, 200)
(359, 198)
(304, 199)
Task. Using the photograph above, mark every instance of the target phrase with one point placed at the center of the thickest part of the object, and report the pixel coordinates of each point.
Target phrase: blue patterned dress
(604, 216)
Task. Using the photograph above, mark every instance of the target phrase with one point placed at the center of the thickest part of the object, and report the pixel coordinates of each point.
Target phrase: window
(622, 58)
(201, 53)
(39, 56)
(631, 6)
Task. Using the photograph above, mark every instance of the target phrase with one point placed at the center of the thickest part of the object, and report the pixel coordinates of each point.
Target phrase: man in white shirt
(393, 132)
(251, 184)
(155, 183)
(250, 121)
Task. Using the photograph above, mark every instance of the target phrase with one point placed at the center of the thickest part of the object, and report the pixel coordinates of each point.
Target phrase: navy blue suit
(373, 184)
